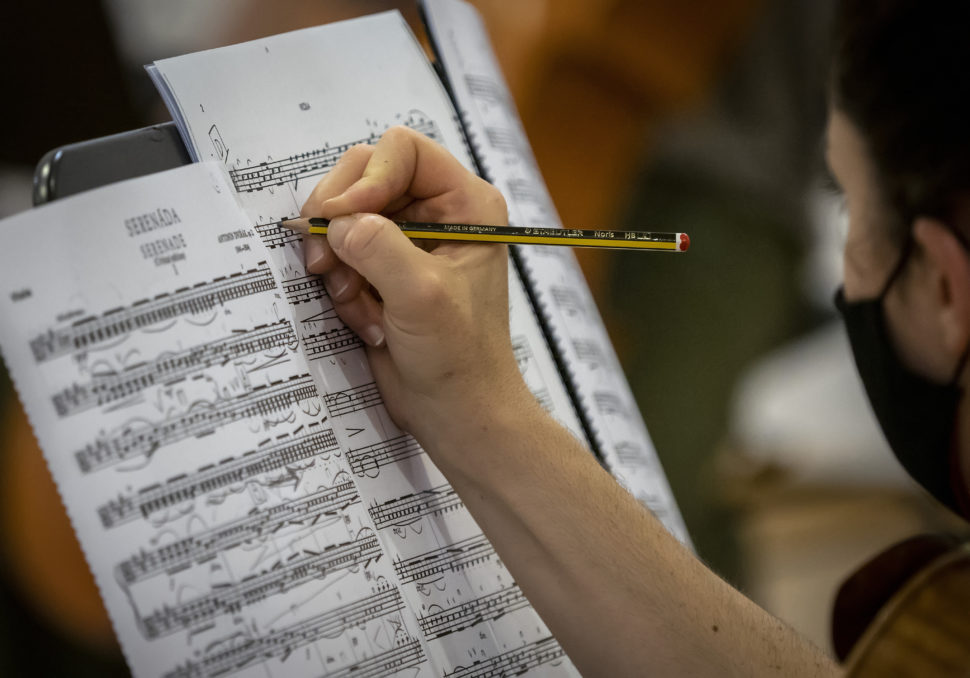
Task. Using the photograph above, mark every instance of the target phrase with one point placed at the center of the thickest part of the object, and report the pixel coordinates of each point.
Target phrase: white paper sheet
(156, 357)
(279, 112)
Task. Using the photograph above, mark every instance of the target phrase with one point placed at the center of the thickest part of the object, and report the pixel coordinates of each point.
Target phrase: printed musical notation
(315, 162)
(367, 460)
(631, 454)
(567, 300)
(282, 456)
(134, 440)
(355, 399)
(108, 386)
(462, 554)
(441, 622)
(256, 526)
(401, 657)
(275, 236)
(589, 352)
(609, 404)
(514, 662)
(303, 289)
(486, 89)
(319, 345)
(279, 577)
(116, 323)
(230, 656)
(413, 507)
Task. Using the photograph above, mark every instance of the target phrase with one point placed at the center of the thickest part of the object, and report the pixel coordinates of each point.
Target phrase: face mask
(917, 416)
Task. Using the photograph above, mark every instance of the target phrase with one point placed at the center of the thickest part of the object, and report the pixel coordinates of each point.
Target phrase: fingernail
(313, 265)
(337, 283)
(337, 231)
(373, 335)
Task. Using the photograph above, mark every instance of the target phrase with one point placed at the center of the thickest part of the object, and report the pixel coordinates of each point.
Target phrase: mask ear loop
(900, 264)
(961, 364)
(962, 239)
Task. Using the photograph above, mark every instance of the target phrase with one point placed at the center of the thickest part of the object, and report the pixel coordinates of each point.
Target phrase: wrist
(473, 433)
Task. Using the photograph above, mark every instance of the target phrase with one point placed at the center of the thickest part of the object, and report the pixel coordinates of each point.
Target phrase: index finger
(405, 163)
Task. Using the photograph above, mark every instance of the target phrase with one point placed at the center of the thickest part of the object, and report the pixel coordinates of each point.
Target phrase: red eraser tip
(684, 242)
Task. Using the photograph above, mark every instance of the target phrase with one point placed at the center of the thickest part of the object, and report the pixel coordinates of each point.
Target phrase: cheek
(853, 283)
(861, 278)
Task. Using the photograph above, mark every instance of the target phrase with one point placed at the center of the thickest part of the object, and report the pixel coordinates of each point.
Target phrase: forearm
(622, 596)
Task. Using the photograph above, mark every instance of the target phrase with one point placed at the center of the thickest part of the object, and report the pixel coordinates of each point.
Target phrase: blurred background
(704, 116)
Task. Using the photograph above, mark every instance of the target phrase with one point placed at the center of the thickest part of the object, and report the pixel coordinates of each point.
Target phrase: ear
(948, 266)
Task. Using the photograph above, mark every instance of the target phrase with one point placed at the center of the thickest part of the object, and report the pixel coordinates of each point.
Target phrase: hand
(435, 317)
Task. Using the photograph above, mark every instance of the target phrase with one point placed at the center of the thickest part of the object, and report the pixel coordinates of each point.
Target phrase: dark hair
(899, 73)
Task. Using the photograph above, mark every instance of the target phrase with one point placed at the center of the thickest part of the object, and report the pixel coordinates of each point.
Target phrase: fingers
(378, 250)
(341, 281)
(405, 166)
(348, 169)
(475, 202)
(362, 314)
(410, 177)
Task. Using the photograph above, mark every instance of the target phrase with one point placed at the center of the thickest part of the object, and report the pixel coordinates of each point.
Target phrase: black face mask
(917, 416)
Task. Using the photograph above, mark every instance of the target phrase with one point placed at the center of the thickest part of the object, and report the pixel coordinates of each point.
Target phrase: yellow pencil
(521, 235)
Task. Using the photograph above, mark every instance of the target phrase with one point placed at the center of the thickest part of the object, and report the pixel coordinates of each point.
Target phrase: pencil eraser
(684, 242)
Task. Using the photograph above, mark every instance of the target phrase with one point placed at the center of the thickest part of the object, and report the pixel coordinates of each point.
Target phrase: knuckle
(493, 202)
(430, 287)
(364, 236)
(479, 202)
(397, 133)
(360, 149)
(498, 208)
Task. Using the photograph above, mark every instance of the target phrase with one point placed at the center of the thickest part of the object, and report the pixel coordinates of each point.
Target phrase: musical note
(275, 236)
(303, 289)
(276, 579)
(609, 403)
(319, 345)
(138, 439)
(89, 332)
(412, 507)
(367, 461)
(288, 450)
(462, 554)
(283, 642)
(255, 526)
(317, 161)
(465, 615)
(355, 399)
(514, 662)
(107, 387)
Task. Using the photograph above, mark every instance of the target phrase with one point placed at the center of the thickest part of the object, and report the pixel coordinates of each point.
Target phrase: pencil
(521, 235)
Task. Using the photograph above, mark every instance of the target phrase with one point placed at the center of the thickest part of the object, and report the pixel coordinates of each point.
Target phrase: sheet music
(278, 112)
(564, 299)
(157, 360)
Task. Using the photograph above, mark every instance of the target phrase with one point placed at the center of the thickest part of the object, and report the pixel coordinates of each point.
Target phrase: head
(899, 146)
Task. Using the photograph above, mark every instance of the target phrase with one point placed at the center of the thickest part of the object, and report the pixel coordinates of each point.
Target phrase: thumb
(377, 249)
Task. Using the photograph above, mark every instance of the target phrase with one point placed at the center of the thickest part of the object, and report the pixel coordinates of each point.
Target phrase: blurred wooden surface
(40, 550)
(925, 629)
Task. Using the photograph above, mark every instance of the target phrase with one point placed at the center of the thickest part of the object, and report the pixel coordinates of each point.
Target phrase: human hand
(435, 317)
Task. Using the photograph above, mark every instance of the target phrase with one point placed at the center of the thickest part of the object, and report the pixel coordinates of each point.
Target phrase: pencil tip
(299, 225)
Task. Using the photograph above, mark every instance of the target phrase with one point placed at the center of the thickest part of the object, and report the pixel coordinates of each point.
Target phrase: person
(622, 596)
